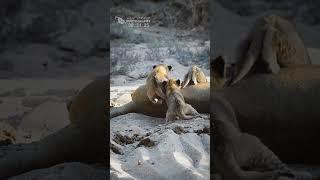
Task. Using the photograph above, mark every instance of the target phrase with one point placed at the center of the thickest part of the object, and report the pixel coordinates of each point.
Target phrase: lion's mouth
(163, 87)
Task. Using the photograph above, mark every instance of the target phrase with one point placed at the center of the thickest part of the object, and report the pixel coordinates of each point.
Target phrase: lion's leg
(234, 149)
(125, 109)
(186, 117)
(170, 117)
(269, 55)
(161, 96)
(266, 159)
(194, 78)
(152, 96)
(261, 158)
(183, 114)
(229, 168)
(186, 80)
(191, 111)
(252, 55)
(225, 162)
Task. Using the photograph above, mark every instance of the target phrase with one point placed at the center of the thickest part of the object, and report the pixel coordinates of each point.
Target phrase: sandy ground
(151, 149)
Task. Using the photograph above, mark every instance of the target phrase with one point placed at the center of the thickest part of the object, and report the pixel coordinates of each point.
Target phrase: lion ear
(169, 67)
(154, 66)
(178, 82)
(217, 65)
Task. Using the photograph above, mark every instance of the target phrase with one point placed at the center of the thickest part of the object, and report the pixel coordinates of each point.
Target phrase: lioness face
(160, 72)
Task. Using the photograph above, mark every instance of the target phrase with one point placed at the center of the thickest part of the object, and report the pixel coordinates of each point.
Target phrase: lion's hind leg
(186, 79)
(251, 56)
(269, 54)
(190, 112)
(230, 169)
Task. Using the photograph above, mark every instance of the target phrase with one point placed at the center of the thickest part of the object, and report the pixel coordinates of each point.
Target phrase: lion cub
(177, 107)
(155, 79)
(194, 75)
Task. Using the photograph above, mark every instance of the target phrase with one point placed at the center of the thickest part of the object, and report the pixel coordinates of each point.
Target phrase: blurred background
(48, 51)
(231, 20)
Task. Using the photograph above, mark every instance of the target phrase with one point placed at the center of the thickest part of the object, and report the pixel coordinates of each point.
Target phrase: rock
(65, 171)
(146, 142)
(205, 130)
(44, 20)
(44, 35)
(178, 130)
(83, 46)
(42, 121)
(33, 101)
(116, 148)
(19, 92)
(60, 93)
(296, 9)
(12, 111)
(32, 59)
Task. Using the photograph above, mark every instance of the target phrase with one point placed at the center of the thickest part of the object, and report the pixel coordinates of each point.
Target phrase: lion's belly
(198, 96)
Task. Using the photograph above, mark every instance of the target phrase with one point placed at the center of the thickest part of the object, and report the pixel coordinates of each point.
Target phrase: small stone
(178, 130)
(146, 142)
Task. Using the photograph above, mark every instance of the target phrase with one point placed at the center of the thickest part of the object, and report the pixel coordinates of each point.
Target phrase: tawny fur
(158, 75)
(272, 43)
(177, 107)
(89, 103)
(194, 76)
(239, 155)
(285, 103)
